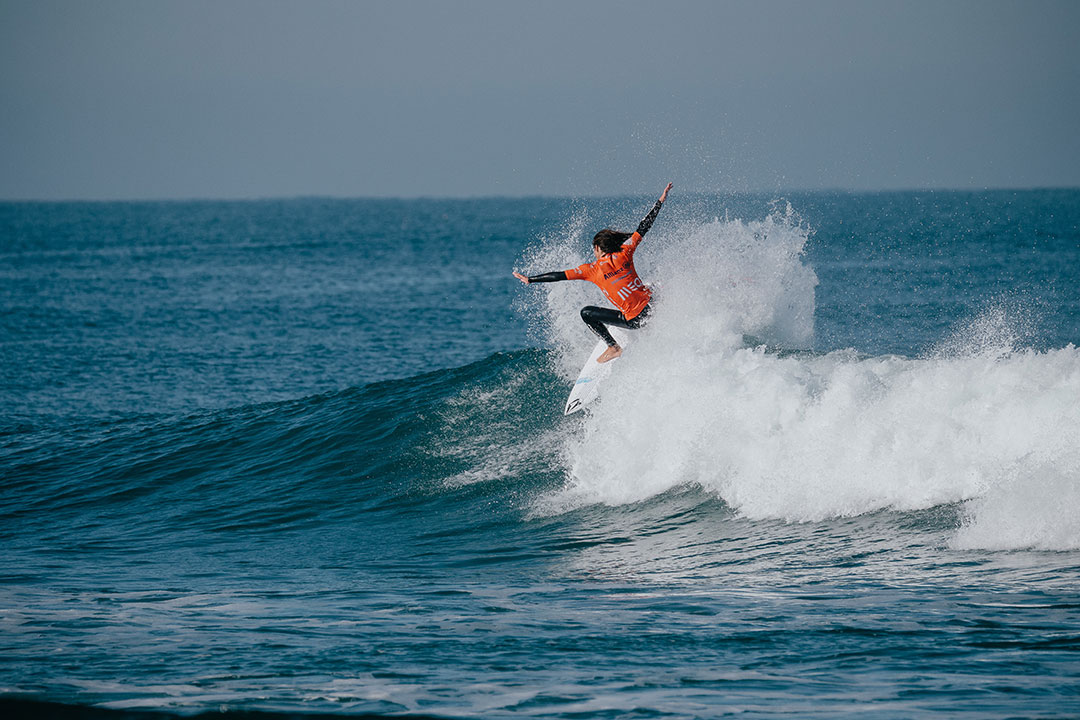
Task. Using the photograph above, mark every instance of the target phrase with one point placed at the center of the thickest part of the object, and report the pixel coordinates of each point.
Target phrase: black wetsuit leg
(598, 318)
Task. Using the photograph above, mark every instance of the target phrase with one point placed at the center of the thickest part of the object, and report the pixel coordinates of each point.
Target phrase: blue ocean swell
(215, 504)
(269, 468)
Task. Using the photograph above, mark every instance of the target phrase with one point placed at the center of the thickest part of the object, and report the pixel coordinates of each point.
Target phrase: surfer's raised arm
(646, 223)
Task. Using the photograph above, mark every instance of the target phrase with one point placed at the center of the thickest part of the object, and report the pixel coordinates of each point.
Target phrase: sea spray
(722, 280)
(996, 330)
(552, 309)
(713, 283)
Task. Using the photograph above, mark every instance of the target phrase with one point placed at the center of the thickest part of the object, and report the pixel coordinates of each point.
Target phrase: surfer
(613, 272)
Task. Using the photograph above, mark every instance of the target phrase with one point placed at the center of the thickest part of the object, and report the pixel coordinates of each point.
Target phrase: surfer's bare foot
(610, 354)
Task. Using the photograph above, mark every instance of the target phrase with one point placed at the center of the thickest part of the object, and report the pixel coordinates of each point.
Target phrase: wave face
(804, 489)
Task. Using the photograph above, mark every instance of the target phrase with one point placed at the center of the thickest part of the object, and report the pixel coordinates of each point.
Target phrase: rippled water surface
(310, 456)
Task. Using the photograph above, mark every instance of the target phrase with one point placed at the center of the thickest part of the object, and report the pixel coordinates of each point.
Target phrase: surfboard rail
(587, 386)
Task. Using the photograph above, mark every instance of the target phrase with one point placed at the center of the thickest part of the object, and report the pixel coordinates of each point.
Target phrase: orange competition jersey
(614, 274)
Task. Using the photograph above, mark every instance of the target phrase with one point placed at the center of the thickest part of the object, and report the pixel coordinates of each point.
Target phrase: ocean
(308, 456)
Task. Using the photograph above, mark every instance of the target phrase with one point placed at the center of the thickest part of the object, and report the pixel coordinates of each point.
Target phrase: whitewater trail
(780, 432)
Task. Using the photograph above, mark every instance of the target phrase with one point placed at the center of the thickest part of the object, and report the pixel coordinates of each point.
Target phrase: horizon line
(531, 196)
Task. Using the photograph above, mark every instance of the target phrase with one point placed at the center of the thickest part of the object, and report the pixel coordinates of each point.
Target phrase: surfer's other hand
(663, 195)
(521, 277)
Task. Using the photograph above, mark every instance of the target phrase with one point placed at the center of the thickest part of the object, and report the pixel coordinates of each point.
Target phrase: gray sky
(238, 98)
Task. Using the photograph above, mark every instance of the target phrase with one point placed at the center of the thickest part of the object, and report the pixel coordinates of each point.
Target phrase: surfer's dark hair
(609, 240)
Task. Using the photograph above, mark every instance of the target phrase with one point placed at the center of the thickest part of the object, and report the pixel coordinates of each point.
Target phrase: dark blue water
(310, 456)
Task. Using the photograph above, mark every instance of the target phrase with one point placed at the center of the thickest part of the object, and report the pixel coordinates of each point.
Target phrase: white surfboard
(587, 387)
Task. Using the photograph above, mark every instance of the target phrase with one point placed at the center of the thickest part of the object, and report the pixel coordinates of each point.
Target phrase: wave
(768, 432)
(803, 437)
(272, 467)
(793, 437)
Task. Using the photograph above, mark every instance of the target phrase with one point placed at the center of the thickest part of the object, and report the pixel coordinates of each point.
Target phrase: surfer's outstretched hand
(521, 277)
(663, 195)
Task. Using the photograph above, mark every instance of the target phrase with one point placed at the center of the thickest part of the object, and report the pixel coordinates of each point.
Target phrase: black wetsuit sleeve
(644, 225)
(549, 277)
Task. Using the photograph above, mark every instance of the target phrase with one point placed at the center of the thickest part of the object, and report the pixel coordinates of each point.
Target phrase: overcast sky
(242, 98)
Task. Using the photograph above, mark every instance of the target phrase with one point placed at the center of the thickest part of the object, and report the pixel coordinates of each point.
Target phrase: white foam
(1036, 505)
(806, 437)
